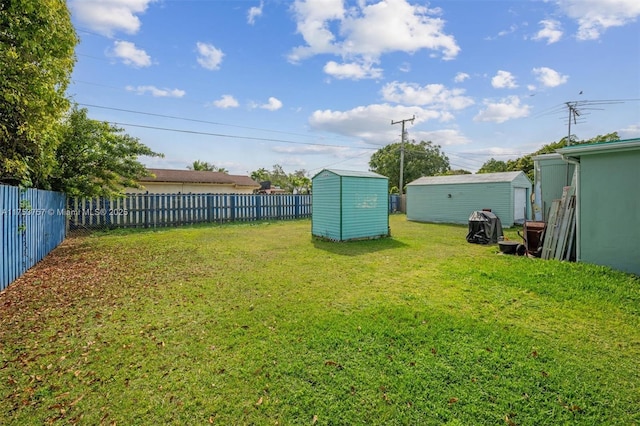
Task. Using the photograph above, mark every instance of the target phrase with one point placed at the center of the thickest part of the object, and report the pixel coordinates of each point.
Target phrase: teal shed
(551, 174)
(349, 205)
(608, 203)
(452, 199)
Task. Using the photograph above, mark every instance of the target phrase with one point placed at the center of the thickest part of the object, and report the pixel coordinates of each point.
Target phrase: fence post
(232, 206)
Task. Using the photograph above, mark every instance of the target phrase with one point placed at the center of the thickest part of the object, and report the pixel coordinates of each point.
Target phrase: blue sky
(317, 83)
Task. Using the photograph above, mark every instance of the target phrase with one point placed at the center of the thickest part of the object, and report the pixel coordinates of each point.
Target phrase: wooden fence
(161, 210)
(32, 223)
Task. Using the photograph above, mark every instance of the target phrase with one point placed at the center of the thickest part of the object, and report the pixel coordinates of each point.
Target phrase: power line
(191, 119)
(341, 161)
(229, 136)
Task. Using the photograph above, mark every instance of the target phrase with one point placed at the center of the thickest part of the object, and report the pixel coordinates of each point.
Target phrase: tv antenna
(579, 109)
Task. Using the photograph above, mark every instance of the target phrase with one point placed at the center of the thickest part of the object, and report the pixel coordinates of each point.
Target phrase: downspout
(576, 162)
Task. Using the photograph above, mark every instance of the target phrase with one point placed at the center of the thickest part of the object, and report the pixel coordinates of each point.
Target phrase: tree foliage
(37, 42)
(297, 181)
(525, 163)
(493, 166)
(207, 167)
(420, 159)
(456, 172)
(96, 158)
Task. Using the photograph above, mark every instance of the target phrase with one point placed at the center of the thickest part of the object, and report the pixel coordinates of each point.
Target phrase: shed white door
(519, 205)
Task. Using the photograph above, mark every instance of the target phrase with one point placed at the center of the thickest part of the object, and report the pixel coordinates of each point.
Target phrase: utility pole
(401, 186)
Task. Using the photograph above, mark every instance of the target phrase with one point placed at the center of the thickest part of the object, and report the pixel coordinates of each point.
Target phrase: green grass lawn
(262, 324)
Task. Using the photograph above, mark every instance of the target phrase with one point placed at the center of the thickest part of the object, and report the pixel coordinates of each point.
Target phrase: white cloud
(130, 54)
(504, 80)
(435, 95)
(549, 77)
(499, 112)
(310, 150)
(512, 29)
(353, 70)
(156, 92)
(405, 67)
(210, 56)
(442, 137)
(313, 24)
(631, 131)
(551, 31)
(461, 76)
(226, 101)
(254, 12)
(596, 16)
(367, 31)
(108, 16)
(371, 123)
(274, 104)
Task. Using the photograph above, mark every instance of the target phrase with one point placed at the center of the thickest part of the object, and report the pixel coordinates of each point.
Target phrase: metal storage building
(451, 199)
(349, 205)
(551, 174)
(608, 203)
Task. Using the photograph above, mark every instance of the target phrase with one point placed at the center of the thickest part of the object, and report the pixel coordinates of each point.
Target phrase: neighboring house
(348, 205)
(167, 181)
(608, 203)
(452, 199)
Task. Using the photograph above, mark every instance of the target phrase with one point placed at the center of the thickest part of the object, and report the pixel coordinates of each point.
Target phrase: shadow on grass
(357, 248)
(105, 229)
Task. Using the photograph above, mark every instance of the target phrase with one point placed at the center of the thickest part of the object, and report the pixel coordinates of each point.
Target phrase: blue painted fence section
(394, 203)
(161, 210)
(32, 223)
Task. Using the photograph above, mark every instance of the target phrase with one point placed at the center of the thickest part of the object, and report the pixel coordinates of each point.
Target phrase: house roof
(197, 176)
(596, 148)
(477, 178)
(351, 173)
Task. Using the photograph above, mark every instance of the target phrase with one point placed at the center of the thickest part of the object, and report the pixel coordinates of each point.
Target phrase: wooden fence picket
(32, 223)
(161, 210)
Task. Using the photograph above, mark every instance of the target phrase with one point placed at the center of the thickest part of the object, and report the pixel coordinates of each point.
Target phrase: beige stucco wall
(190, 188)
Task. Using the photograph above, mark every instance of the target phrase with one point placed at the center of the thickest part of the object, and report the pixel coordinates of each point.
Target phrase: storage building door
(519, 205)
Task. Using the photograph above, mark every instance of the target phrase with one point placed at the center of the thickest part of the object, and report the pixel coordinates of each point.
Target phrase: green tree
(96, 158)
(207, 167)
(300, 182)
(37, 42)
(420, 159)
(493, 166)
(290, 182)
(260, 175)
(525, 163)
(279, 177)
(457, 172)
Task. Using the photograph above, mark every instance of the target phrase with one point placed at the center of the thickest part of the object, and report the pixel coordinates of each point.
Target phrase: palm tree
(207, 167)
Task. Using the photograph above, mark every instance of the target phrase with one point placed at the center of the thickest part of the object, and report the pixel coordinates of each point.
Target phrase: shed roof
(477, 178)
(351, 173)
(198, 176)
(598, 148)
(551, 156)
